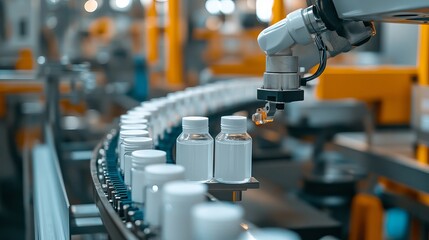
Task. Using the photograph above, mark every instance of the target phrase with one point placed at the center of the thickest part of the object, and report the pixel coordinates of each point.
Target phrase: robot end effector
(290, 47)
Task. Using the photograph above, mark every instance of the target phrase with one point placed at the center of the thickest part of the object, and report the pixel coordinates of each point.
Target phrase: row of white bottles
(164, 113)
(233, 150)
(179, 209)
(157, 116)
(148, 176)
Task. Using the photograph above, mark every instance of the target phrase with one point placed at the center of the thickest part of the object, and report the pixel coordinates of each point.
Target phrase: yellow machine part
(423, 61)
(25, 60)
(152, 34)
(422, 153)
(174, 64)
(245, 59)
(279, 11)
(367, 218)
(385, 88)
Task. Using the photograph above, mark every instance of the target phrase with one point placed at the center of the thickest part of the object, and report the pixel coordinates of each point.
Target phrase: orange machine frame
(386, 88)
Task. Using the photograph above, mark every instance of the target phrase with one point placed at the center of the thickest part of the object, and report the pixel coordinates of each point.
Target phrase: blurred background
(76, 65)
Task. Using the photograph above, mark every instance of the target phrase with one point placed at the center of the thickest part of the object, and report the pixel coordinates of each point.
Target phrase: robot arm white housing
(300, 41)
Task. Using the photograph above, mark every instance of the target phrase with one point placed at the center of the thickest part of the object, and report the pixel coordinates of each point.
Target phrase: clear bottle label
(197, 159)
(233, 162)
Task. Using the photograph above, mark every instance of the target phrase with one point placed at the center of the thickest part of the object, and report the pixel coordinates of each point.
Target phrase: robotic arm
(307, 37)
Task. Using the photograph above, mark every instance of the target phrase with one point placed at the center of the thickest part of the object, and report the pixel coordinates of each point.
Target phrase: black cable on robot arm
(323, 59)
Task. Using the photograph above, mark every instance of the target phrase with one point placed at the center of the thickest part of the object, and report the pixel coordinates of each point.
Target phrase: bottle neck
(196, 131)
(234, 130)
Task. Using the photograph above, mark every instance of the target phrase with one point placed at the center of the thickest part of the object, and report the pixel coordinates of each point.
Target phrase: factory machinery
(293, 46)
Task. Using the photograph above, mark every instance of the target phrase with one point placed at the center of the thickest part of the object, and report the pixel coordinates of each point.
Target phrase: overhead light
(41, 60)
(51, 21)
(227, 6)
(264, 10)
(90, 6)
(213, 6)
(120, 5)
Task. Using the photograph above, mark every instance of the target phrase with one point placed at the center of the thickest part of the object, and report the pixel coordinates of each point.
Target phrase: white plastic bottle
(133, 121)
(140, 159)
(134, 127)
(194, 149)
(214, 221)
(154, 120)
(130, 145)
(155, 177)
(125, 134)
(141, 112)
(178, 199)
(233, 151)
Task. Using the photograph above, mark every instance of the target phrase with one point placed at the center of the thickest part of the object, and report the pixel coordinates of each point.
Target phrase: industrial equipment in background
(111, 107)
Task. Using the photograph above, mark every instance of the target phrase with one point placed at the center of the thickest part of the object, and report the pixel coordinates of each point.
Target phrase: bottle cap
(138, 109)
(134, 121)
(134, 127)
(182, 191)
(161, 173)
(195, 124)
(133, 133)
(149, 106)
(161, 103)
(233, 124)
(142, 158)
(139, 113)
(149, 156)
(129, 116)
(218, 213)
(139, 142)
(209, 218)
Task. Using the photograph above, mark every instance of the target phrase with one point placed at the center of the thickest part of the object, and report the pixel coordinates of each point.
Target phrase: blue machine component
(141, 80)
(396, 224)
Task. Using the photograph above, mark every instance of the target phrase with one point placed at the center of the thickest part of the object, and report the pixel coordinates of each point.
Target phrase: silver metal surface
(85, 218)
(383, 10)
(51, 206)
(10, 75)
(213, 185)
(281, 64)
(420, 113)
(313, 21)
(84, 210)
(391, 155)
(326, 113)
(281, 81)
